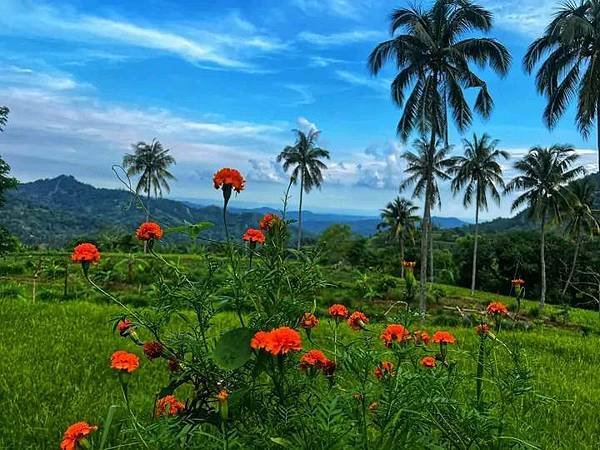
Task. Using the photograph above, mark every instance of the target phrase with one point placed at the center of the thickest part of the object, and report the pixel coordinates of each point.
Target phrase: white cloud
(376, 84)
(228, 43)
(528, 17)
(266, 170)
(23, 76)
(350, 9)
(321, 61)
(338, 39)
(306, 125)
(306, 96)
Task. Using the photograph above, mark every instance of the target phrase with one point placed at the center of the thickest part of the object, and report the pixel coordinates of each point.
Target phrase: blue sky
(223, 83)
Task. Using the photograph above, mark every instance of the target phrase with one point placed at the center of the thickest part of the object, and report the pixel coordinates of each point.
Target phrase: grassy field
(54, 368)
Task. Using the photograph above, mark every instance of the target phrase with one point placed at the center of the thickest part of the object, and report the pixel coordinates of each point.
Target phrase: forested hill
(54, 211)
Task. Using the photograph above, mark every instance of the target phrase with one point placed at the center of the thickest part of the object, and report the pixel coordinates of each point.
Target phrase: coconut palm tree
(544, 173)
(151, 162)
(305, 159)
(399, 217)
(570, 51)
(582, 218)
(479, 174)
(432, 56)
(424, 168)
(3, 116)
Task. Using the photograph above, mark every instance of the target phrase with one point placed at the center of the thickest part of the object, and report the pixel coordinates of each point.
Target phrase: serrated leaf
(233, 349)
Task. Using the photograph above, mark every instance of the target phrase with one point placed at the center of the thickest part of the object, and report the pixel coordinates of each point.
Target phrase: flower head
(394, 333)
(124, 361)
(74, 434)
(153, 349)
(308, 321)
(482, 328)
(329, 368)
(497, 308)
(254, 236)
(283, 340)
(230, 179)
(443, 337)
(266, 223)
(421, 337)
(223, 395)
(85, 253)
(338, 311)
(313, 358)
(428, 361)
(384, 369)
(357, 320)
(149, 231)
(408, 264)
(173, 365)
(260, 340)
(124, 327)
(169, 406)
(518, 282)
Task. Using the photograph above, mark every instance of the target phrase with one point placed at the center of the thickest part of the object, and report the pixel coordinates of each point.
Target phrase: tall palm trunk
(424, 245)
(430, 236)
(474, 269)
(300, 210)
(401, 238)
(543, 262)
(147, 211)
(576, 254)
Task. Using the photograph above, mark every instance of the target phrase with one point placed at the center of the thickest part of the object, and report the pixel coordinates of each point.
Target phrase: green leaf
(281, 441)
(192, 230)
(233, 349)
(106, 426)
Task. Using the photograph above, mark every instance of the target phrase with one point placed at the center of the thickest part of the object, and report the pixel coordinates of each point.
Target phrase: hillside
(54, 211)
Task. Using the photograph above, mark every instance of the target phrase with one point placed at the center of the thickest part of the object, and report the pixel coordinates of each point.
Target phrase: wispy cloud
(24, 76)
(306, 96)
(339, 39)
(376, 84)
(322, 61)
(528, 17)
(350, 9)
(232, 48)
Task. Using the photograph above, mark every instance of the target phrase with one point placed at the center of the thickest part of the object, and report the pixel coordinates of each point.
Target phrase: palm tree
(151, 162)
(424, 169)
(478, 173)
(399, 217)
(433, 60)
(305, 159)
(582, 220)
(3, 116)
(544, 173)
(572, 66)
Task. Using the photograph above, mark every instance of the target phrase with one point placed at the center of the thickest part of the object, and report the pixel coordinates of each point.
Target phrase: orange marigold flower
(254, 236)
(124, 326)
(267, 221)
(125, 361)
(309, 320)
(483, 328)
(329, 367)
(428, 361)
(443, 337)
(384, 369)
(153, 349)
(223, 395)
(149, 231)
(74, 434)
(421, 337)
(394, 333)
(409, 264)
(85, 253)
(338, 310)
(260, 340)
(497, 308)
(357, 320)
(169, 406)
(229, 177)
(313, 358)
(283, 340)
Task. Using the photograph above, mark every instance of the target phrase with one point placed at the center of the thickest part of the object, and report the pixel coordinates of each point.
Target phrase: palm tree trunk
(147, 212)
(577, 246)
(543, 263)
(300, 210)
(402, 253)
(430, 235)
(474, 270)
(598, 134)
(424, 245)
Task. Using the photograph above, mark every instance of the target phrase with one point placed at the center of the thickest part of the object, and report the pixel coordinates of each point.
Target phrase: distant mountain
(54, 211)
